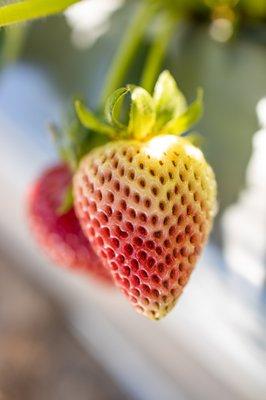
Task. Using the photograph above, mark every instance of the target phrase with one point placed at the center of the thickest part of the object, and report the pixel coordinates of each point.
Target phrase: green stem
(157, 53)
(31, 9)
(14, 39)
(127, 50)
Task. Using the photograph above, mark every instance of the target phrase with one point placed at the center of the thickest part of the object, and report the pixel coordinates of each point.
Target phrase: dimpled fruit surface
(61, 236)
(147, 209)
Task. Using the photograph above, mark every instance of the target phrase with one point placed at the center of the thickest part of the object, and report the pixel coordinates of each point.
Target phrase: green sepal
(90, 121)
(165, 113)
(67, 202)
(113, 107)
(195, 138)
(142, 113)
(73, 140)
(169, 100)
(184, 122)
(64, 146)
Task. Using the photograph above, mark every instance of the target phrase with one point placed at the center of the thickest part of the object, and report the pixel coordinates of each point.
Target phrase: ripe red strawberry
(147, 209)
(60, 236)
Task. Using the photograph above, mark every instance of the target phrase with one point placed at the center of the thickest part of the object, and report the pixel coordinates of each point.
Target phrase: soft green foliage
(166, 112)
(12, 40)
(31, 9)
(166, 24)
(128, 47)
(73, 141)
(204, 8)
(180, 6)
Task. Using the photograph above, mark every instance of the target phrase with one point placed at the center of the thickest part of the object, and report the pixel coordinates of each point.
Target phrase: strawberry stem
(157, 53)
(127, 50)
(31, 9)
(14, 39)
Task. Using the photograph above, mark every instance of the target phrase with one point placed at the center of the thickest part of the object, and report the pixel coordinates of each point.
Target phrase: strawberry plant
(141, 203)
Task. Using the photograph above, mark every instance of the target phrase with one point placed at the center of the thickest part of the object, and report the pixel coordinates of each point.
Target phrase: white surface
(244, 223)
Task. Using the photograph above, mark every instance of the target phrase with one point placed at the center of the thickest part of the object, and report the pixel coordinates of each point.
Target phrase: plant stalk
(157, 53)
(14, 39)
(127, 50)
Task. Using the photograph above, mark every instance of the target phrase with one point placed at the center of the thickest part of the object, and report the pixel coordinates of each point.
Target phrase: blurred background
(63, 336)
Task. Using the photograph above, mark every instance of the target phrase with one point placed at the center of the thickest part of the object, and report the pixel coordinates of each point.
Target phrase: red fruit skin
(61, 236)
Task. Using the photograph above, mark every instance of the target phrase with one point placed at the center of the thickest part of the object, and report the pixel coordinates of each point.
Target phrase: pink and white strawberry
(146, 202)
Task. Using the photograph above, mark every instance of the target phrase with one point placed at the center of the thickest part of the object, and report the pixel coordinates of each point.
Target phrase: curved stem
(157, 54)
(31, 9)
(127, 50)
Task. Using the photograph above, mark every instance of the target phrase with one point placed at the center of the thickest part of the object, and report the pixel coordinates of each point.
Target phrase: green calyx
(73, 141)
(164, 112)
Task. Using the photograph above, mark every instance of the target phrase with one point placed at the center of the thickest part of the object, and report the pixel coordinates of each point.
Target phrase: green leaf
(73, 140)
(89, 120)
(78, 141)
(142, 113)
(31, 9)
(113, 107)
(64, 148)
(169, 100)
(185, 121)
(195, 138)
(67, 202)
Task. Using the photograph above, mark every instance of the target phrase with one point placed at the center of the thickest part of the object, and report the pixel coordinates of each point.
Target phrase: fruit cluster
(144, 202)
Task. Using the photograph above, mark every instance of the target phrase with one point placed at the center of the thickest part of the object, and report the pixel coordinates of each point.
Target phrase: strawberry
(60, 235)
(146, 199)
